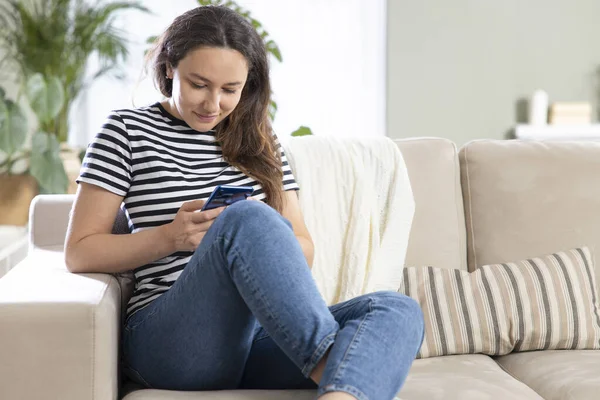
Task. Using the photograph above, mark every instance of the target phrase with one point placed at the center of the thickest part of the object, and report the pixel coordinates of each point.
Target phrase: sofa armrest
(59, 331)
(48, 219)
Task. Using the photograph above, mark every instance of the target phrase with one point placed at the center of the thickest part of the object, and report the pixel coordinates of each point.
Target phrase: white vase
(538, 108)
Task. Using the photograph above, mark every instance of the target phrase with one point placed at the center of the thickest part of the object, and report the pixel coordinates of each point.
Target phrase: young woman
(224, 299)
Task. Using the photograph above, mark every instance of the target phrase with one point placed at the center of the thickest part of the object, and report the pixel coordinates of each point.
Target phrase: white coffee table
(14, 243)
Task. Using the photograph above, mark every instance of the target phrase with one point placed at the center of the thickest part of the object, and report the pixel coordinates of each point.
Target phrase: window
(332, 78)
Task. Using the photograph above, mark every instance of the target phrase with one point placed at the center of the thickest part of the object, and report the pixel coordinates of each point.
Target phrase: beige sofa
(494, 201)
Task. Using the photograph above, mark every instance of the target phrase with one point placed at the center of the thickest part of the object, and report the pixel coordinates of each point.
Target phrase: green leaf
(46, 98)
(36, 94)
(55, 97)
(272, 110)
(46, 165)
(255, 23)
(273, 49)
(13, 127)
(40, 144)
(2, 93)
(302, 131)
(81, 155)
(5, 144)
(151, 39)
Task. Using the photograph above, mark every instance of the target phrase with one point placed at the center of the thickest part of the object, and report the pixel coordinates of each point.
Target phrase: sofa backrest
(528, 199)
(438, 235)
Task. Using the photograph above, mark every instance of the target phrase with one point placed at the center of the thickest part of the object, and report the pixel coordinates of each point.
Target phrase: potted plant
(56, 38)
(43, 170)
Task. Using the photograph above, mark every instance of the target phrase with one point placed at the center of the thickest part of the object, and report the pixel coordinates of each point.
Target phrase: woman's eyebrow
(198, 76)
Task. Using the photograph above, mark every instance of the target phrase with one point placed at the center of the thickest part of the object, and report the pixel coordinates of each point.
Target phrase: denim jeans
(246, 313)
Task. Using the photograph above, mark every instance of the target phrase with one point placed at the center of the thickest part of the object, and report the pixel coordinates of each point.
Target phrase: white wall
(464, 69)
(332, 78)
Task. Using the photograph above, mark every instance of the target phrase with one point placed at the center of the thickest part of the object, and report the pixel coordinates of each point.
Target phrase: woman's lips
(205, 118)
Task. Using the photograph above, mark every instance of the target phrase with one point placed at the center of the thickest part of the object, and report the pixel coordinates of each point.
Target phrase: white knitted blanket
(358, 206)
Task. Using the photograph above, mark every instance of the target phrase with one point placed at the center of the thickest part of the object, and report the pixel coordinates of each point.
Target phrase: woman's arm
(90, 246)
(307, 248)
(292, 212)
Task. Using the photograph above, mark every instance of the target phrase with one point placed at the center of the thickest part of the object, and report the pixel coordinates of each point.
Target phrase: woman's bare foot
(316, 376)
(318, 371)
(337, 396)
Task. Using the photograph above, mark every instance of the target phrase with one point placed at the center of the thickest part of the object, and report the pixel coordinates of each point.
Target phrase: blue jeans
(246, 313)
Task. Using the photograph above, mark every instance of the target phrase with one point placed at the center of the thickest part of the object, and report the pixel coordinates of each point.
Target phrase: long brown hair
(246, 135)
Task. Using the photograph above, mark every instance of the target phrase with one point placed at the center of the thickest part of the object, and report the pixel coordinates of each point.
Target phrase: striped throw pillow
(540, 303)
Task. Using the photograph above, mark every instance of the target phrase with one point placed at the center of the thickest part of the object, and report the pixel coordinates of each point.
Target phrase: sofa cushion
(152, 394)
(466, 377)
(540, 303)
(524, 198)
(438, 222)
(557, 374)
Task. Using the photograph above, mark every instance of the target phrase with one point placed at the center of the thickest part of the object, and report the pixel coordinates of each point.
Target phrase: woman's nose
(211, 103)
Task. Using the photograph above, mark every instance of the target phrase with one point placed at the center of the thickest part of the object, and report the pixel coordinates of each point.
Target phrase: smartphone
(225, 195)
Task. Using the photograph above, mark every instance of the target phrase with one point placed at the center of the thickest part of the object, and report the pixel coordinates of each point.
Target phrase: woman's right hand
(188, 228)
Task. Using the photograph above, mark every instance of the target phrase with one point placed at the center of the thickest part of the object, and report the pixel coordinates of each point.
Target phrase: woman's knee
(404, 308)
(243, 209)
(250, 213)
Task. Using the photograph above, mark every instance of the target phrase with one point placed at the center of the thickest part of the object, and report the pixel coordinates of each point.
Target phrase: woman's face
(207, 85)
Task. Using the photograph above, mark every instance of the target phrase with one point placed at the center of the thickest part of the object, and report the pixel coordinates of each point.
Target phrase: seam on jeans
(263, 336)
(354, 301)
(348, 303)
(343, 388)
(357, 335)
(318, 354)
(262, 297)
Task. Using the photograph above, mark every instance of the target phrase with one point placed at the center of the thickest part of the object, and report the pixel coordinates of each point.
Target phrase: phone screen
(225, 196)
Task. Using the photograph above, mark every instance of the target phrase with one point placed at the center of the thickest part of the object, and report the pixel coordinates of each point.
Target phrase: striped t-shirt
(157, 162)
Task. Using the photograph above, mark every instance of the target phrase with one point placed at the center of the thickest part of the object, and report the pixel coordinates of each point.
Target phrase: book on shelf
(571, 108)
(570, 113)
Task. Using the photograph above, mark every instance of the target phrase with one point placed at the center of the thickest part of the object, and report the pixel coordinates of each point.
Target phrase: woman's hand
(188, 228)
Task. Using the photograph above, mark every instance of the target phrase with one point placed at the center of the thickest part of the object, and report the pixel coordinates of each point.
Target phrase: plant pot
(16, 193)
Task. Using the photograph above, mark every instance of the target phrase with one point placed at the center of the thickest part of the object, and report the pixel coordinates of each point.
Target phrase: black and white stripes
(156, 163)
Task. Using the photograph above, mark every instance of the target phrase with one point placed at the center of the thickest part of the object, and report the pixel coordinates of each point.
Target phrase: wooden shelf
(558, 132)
